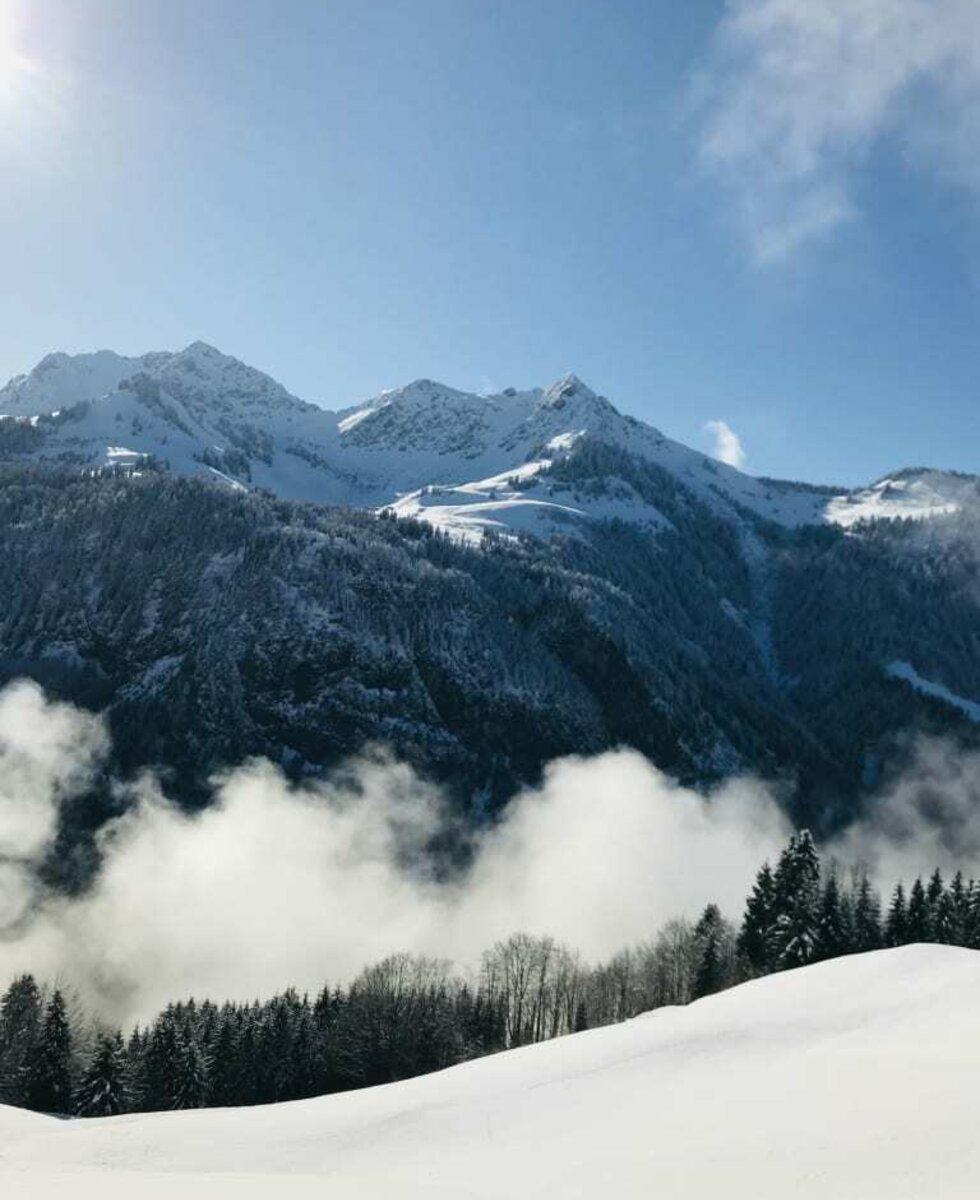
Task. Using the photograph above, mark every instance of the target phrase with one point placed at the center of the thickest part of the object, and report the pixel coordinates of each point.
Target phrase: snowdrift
(850, 1080)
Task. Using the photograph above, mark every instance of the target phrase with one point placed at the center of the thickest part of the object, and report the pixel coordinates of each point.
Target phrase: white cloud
(728, 445)
(47, 752)
(274, 884)
(799, 92)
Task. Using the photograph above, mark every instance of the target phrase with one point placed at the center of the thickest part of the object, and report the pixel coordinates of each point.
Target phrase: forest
(212, 626)
(409, 1015)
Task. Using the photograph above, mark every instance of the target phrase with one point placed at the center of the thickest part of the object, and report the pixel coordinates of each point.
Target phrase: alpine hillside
(479, 583)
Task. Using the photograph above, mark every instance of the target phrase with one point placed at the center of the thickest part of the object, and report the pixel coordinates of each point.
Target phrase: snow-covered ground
(850, 1080)
(910, 494)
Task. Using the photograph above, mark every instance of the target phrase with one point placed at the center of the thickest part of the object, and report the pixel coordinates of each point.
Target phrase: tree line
(409, 1015)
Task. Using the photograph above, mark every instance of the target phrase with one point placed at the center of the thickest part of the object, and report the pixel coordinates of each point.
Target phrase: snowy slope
(915, 494)
(60, 380)
(433, 451)
(524, 500)
(850, 1080)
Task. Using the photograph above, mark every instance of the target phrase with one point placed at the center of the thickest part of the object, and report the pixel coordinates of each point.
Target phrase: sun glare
(31, 93)
(16, 67)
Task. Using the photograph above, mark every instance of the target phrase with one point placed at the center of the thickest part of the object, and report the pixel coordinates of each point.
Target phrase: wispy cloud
(728, 445)
(797, 93)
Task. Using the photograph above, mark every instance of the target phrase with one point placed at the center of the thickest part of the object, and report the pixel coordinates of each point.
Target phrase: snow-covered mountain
(853, 1079)
(716, 622)
(463, 462)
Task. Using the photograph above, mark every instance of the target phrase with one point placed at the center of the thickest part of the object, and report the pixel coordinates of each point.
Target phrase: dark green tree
(797, 903)
(48, 1082)
(190, 1074)
(754, 945)
(834, 934)
(20, 1023)
(867, 933)
(709, 934)
(918, 924)
(104, 1090)
(896, 923)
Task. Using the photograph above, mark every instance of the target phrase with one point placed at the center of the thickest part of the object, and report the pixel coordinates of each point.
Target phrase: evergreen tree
(104, 1090)
(833, 926)
(934, 903)
(944, 921)
(709, 974)
(867, 933)
(797, 903)
(959, 909)
(20, 1020)
(189, 1082)
(755, 937)
(972, 927)
(159, 1060)
(48, 1084)
(225, 1068)
(918, 923)
(896, 923)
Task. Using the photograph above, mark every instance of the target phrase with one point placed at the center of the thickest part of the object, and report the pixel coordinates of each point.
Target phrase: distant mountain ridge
(481, 584)
(464, 462)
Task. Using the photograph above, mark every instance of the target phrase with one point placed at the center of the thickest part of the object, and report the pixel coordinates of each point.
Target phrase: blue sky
(351, 194)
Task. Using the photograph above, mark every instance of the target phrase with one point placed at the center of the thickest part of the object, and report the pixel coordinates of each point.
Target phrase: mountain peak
(566, 388)
(201, 350)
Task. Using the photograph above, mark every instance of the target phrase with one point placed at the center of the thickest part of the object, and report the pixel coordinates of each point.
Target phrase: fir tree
(918, 923)
(958, 917)
(104, 1090)
(48, 1084)
(833, 926)
(866, 933)
(189, 1085)
(709, 975)
(896, 923)
(20, 1021)
(797, 902)
(156, 1082)
(934, 903)
(755, 937)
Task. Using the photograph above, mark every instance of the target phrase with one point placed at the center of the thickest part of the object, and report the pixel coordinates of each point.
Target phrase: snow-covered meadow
(853, 1079)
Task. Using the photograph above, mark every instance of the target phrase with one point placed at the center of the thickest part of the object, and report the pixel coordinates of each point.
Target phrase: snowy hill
(850, 1080)
(201, 412)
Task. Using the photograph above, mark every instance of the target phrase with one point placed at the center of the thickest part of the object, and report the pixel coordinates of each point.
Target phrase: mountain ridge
(202, 412)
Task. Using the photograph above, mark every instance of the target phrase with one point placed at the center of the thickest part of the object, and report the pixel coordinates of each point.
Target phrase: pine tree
(833, 926)
(223, 1077)
(867, 934)
(934, 903)
(958, 915)
(20, 1022)
(896, 923)
(755, 937)
(104, 1090)
(709, 973)
(48, 1084)
(972, 929)
(156, 1085)
(918, 923)
(797, 902)
(190, 1074)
